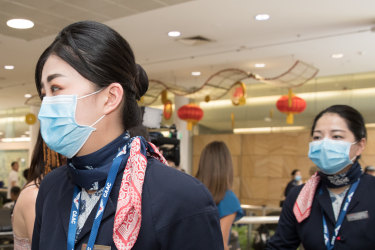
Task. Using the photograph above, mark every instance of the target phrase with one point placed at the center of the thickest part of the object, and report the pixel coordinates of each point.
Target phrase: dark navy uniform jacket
(177, 213)
(356, 233)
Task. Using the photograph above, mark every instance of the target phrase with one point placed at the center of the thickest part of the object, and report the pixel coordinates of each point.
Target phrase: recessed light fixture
(28, 95)
(9, 67)
(20, 23)
(260, 65)
(337, 56)
(195, 73)
(262, 17)
(174, 33)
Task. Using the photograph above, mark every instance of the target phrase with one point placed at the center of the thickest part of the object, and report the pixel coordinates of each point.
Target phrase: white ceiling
(310, 31)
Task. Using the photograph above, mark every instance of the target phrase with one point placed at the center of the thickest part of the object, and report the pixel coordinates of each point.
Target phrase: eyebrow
(334, 130)
(53, 76)
(49, 79)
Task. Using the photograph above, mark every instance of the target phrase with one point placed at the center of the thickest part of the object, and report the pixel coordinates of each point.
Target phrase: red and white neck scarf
(303, 204)
(128, 216)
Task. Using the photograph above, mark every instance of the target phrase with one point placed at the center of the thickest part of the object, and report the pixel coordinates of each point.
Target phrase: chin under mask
(58, 126)
(331, 156)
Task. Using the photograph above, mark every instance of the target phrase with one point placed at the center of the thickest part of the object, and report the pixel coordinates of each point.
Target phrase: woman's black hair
(102, 56)
(352, 117)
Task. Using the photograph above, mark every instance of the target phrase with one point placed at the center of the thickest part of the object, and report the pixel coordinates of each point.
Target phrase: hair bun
(141, 81)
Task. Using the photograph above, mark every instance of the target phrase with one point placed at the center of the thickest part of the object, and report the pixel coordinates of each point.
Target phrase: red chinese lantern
(167, 110)
(290, 104)
(191, 113)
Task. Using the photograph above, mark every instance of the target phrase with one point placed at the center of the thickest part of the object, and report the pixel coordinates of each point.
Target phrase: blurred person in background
(335, 208)
(215, 171)
(13, 179)
(43, 161)
(14, 193)
(296, 181)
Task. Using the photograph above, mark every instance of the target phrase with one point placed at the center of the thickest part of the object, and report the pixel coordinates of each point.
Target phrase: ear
(114, 94)
(361, 146)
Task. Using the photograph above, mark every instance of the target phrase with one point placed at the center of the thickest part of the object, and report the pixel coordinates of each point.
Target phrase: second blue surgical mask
(331, 156)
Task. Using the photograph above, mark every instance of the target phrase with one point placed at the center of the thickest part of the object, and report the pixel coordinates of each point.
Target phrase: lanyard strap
(331, 243)
(99, 213)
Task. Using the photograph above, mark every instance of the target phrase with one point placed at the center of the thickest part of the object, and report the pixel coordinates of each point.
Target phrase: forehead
(56, 65)
(331, 121)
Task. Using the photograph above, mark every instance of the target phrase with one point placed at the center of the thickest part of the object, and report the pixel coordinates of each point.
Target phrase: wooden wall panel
(263, 162)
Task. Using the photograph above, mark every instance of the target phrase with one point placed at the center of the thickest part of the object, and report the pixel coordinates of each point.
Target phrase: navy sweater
(177, 213)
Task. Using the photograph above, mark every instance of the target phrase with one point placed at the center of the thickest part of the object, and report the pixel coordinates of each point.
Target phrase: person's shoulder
(368, 180)
(13, 173)
(27, 197)
(55, 177)
(293, 194)
(169, 184)
(229, 196)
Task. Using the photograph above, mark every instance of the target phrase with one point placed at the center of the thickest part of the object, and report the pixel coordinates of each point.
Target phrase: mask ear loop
(81, 97)
(97, 121)
(84, 96)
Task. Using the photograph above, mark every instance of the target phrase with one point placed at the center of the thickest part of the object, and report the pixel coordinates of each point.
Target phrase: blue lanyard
(331, 243)
(74, 212)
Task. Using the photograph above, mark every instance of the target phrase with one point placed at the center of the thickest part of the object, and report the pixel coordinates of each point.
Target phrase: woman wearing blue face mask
(335, 209)
(296, 181)
(115, 191)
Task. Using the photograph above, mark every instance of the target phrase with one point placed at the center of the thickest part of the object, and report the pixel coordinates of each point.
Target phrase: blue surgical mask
(58, 126)
(331, 156)
(297, 178)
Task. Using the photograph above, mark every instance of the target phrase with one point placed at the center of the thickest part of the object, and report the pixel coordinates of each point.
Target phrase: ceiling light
(260, 65)
(337, 56)
(262, 17)
(28, 95)
(20, 23)
(174, 33)
(16, 139)
(10, 67)
(195, 73)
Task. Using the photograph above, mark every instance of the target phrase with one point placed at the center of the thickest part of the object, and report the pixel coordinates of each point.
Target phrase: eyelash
(316, 138)
(54, 88)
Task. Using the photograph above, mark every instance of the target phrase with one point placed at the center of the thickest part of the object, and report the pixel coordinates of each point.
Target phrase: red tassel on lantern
(167, 110)
(191, 113)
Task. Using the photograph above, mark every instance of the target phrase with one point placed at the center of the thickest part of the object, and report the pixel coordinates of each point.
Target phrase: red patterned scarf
(302, 207)
(129, 204)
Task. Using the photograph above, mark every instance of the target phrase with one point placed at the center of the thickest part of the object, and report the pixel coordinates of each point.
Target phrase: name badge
(357, 216)
(96, 247)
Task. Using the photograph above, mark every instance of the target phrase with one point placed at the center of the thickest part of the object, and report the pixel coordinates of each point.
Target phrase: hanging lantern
(191, 113)
(238, 94)
(167, 113)
(290, 104)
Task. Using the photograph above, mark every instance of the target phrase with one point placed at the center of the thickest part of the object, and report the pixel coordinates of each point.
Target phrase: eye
(337, 137)
(316, 138)
(55, 88)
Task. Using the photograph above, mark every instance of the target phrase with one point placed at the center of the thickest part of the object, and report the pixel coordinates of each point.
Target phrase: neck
(99, 138)
(338, 190)
(346, 169)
